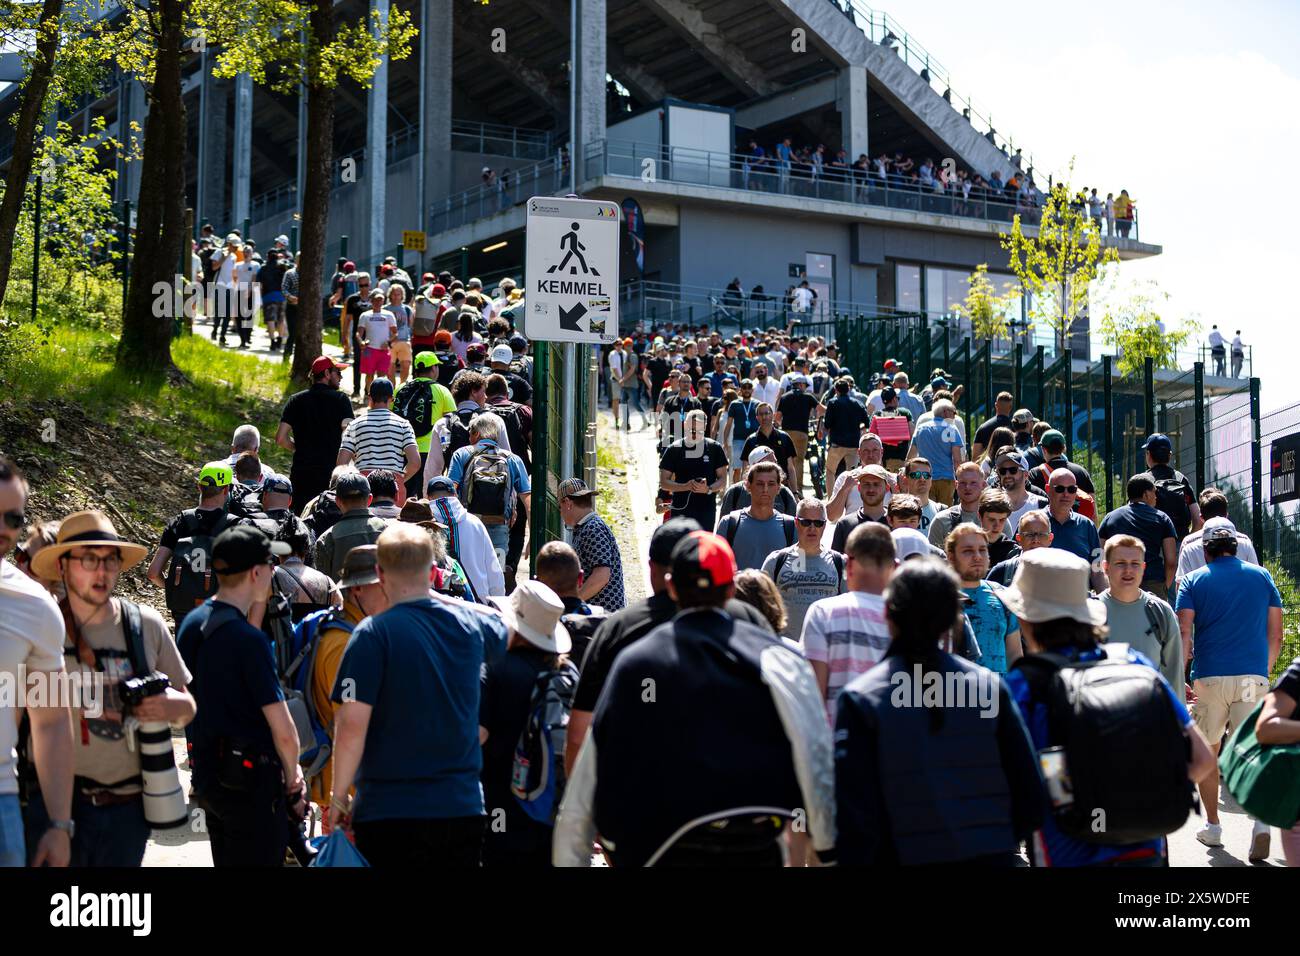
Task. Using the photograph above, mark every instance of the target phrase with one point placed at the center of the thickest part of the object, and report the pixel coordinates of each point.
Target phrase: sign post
(1282, 470)
(571, 271)
(413, 241)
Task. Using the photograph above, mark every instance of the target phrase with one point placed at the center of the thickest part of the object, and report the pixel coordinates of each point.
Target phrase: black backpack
(1171, 498)
(457, 430)
(325, 515)
(414, 402)
(1126, 756)
(582, 628)
(190, 580)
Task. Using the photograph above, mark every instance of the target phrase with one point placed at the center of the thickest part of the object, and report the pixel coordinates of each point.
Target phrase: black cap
(381, 388)
(667, 535)
(277, 484)
(352, 486)
(242, 547)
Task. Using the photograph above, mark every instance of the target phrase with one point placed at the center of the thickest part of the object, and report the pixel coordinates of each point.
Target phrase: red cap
(891, 363)
(442, 339)
(438, 289)
(385, 270)
(703, 560)
(428, 276)
(349, 266)
(324, 364)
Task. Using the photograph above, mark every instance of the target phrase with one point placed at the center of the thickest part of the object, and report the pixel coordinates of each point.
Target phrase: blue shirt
(935, 441)
(234, 678)
(518, 473)
(992, 622)
(1149, 526)
(1231, 600)
(718, 381)
(418, 664)
(1077, 534)
(1054, 847)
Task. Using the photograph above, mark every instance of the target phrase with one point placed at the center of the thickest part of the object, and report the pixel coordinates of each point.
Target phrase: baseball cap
(939, 382)
(1052, 439)
(425, 360)
(875, 471)
(216, 474)
(352, 485)
(277, 484)
(360, 566)
(1014, 457)
(703, 560)
(242, 547)
(282, 239)
(503, 354)
(442, 339)
(1218, 529)
(1022, 417)
(381, 388)
(1158, 441)
(324, 363)
(573, 488)
(438, 289)
(761, 453)
(442, 484)
(517, 341)
(801, 380)
(349, 266)
(477, 349)
(909, 541)
(377, 294)
(891, 363)
(667, 535)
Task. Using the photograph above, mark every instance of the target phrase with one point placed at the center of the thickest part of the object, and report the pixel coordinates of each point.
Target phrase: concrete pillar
(589, 90)
(435, 103)
(215, 153)
(377, 150)
(851, 101)
(242, 160)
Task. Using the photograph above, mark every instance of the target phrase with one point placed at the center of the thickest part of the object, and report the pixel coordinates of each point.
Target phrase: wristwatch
(67, 826)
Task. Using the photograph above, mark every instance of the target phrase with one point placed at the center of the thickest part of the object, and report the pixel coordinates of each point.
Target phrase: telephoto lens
(164, 803)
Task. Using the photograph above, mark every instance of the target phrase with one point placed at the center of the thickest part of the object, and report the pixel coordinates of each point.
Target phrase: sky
(1191, 107)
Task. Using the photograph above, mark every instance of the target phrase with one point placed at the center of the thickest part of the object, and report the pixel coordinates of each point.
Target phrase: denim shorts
(13, 850)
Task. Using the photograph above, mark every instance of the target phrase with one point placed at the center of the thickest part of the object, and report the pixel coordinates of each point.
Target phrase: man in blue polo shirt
(406, 731)
(1071, 531)
(1230, 616)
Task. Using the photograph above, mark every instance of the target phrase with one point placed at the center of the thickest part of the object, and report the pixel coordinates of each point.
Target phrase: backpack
(425, 321)
(486, 488)
(1125, 754)
(325, 515)
(190, 580)
(1171, 498)
(455, 426)
(733, 528)
(782, 557)
(296, 662)
(414, 402)
(537, 776)
(509, 414)
(582, 628)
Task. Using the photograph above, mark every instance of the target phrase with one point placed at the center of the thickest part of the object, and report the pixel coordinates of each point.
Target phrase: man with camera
(244, 745)
(132, 685)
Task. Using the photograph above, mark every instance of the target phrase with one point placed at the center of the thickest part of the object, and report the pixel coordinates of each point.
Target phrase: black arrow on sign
(569, 317)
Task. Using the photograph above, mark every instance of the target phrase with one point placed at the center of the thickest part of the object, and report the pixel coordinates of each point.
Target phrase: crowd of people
(854, 607)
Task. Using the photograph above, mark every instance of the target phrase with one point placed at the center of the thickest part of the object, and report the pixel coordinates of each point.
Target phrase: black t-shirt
(520, 390)
(778, 441)
(675, 411)
(701, 460)
(659, 369)
(1081, 476)
(1003, 549)
(629, 625)
(506, 691)
(796, 410)
(844, 421)
(354, 305)
(316, 416)
(985, 431)
(200, 521)
(1288, 683)
(845, 526)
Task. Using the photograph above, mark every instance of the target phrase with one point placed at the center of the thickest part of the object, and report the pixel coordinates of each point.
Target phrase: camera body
(136, 689)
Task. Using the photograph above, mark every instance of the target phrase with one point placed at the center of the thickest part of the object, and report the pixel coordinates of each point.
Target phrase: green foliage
(1056, 266)
(986, 310)
(1130, 326)
(1286, 586)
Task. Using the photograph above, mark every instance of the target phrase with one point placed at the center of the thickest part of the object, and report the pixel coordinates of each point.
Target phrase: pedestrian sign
(413, 241)
(571, 270)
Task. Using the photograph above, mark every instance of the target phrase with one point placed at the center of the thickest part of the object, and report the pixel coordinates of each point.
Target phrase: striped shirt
(289, 284)
(378, 439)
(849, 635)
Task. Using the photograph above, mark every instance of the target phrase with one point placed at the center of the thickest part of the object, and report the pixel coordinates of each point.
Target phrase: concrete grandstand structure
(666, 96)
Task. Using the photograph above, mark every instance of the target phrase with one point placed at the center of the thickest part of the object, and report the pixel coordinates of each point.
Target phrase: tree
(1131, 326)
(986, 310)
(1056, 266)
(285, 44)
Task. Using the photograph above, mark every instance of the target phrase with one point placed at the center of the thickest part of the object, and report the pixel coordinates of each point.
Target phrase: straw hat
(1052, 583)
(85, 529)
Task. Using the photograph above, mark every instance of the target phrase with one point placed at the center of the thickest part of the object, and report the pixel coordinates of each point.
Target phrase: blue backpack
(537, 777)
(299, 662)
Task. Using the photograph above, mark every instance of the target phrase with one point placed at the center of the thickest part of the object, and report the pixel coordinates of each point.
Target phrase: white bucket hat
(534, 610)
(1052, 583)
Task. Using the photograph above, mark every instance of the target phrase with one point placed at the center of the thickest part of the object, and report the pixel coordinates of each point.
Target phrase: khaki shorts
(1222, 703)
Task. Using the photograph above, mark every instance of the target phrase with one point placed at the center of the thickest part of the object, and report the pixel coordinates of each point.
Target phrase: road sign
(413, 241)
(1282, 473)
(571, 270)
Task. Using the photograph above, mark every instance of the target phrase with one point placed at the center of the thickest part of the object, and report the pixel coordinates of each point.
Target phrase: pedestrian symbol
(572, 247)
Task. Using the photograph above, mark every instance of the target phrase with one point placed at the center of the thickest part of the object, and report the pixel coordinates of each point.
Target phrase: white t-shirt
(31, 637)
(225, 267)
(777, 358)
(1032, 503)
(767, 393)
(802, 299)
(616, 364)
(847, 633)
(380, 327)
(1236, 343)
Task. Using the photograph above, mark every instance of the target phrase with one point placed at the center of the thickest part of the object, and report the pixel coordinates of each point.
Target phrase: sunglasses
(1013, 470)
(1035, 535)
(811, 522)
(15, 519)
(1065, 489)
(919, 475)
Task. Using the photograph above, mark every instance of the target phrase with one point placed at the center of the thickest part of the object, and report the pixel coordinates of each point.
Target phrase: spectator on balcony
(818, 161)
(488, 176)
(1096, 209)
(1238, 354)
(926, 173)
(784, 158)
(755, 161)
(1124, 210)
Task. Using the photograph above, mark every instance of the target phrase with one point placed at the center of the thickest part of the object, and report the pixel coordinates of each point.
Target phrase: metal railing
(653, 162)
(547, 177)
(513, 141)
(882, 29)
